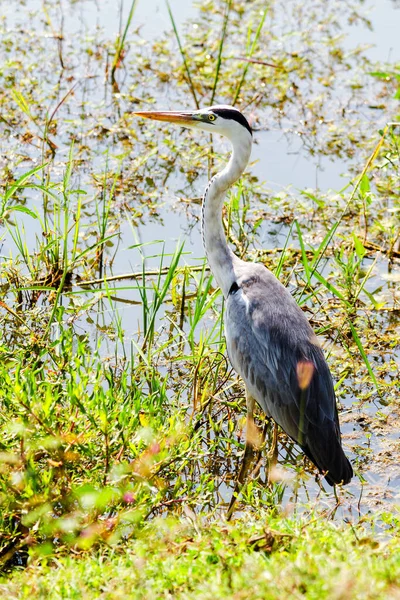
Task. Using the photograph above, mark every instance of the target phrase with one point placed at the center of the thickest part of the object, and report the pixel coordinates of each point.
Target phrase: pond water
(79, 39)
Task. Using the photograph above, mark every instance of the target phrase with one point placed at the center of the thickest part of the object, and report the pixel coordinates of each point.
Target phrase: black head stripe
(235, 115)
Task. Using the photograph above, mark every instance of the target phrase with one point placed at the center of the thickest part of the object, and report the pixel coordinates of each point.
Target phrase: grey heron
(270, 342)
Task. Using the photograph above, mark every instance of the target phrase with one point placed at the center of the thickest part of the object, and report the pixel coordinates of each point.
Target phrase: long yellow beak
(179, 117)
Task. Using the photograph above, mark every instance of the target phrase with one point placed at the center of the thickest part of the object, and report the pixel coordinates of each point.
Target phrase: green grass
(270, 558)
(121, 420)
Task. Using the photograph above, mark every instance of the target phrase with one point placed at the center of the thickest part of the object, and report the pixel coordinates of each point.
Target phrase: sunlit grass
(271, 558)
(121, 419)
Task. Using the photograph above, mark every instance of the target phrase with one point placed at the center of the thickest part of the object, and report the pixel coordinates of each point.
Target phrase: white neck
(219, 255)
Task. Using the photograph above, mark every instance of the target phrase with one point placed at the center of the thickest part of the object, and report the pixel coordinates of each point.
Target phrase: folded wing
(272, 346)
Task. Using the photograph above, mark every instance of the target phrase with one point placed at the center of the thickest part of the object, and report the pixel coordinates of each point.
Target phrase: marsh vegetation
(122, 422)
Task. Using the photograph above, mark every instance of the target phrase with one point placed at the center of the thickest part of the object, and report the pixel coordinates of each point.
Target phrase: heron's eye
(211, 117)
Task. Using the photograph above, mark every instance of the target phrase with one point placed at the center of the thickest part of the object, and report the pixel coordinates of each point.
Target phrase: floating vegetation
(118, 404)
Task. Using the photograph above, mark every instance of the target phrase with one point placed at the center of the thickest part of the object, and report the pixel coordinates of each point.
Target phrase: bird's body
(273, 347)
(269, 340)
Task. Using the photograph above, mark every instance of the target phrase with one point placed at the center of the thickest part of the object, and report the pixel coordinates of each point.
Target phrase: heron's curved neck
(219, 255)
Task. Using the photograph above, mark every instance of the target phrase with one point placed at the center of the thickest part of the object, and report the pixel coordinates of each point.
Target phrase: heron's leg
(272, 455)
(258, 454)
(252, 442)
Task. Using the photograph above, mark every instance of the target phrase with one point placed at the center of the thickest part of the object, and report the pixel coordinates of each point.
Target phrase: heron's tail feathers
(326, 452)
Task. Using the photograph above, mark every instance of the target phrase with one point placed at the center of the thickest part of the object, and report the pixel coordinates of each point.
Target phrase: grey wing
(272, 346)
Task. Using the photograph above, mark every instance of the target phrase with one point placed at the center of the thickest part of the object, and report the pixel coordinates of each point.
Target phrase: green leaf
(364, 356)
(329, 286)
(24, 210)
(376, 305)
(20, 183)
(380, 74)
(323, 245)
(358, 246)
(364, 185)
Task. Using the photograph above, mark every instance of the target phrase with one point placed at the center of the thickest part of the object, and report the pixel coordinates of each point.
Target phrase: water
(280, 155)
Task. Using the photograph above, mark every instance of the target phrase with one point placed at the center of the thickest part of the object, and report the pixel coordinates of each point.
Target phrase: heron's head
(222, 119)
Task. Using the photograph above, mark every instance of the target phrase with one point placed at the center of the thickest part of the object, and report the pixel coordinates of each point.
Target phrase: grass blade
(303, 254)
(19, 184)
(278, 269)
(221, 45)
(331, 288)
(121, 42)
(323, 246)
(249, 56)
(183, 55)
(364, 357)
